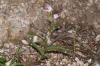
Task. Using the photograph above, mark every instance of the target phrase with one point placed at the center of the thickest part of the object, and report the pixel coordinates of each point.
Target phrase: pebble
(69, 65)
(71, 31)
(1, 51)
(8, 63)
(90, 60)
(97, 38)
(6, 45)
(35, 38)
(80, 63)
(25, 42)
(2, 2)
(48, 40)
(48, 63)
(11, 45)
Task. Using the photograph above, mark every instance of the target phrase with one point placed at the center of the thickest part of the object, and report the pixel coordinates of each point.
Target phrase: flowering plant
(47, 41)
(49, 8)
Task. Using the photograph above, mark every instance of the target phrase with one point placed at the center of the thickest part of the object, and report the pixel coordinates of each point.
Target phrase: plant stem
(75, 40)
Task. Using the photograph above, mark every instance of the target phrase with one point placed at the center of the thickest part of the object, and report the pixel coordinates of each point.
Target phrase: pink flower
(49, 8)
(55, 16)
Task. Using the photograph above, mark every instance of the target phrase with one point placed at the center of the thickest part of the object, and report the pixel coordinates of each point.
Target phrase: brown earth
(17, 17)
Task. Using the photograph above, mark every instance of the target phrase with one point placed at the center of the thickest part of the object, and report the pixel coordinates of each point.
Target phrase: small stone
(11, 45)
(76, 59)
(1, 51)
(79, 63)
(6, 45)
(71, 31)
(62, 14)
(24, 59)
(97, 64)
(48, 63)
(2, 2)
(8, 63)
(48, 40)
(86, 64)
(35, 38)
(80, 54)
(90, 60)
(25, 42)
(61, 63)
(97, 38)
(57, 64)
(69, 65)
(74, 64)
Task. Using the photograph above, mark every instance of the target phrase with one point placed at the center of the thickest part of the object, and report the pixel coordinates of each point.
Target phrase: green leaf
(56, 48)
(54, 28)
(18, 64)
(17, 51)
(43, 57)
(36, 47)
(12, 62)
(2, 64)
(2, 59)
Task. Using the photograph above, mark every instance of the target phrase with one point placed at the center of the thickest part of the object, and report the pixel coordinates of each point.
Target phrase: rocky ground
(17, 17)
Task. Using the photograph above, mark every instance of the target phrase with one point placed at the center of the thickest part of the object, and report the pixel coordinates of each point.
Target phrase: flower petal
(55, 16)
(49, 8)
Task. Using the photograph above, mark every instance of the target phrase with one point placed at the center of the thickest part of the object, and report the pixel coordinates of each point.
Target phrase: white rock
(1, 51)
(76, 59)
(6, 45)
(48, 63)
(80, 63)
(86, 64)
(57, 64)
(97, 38)
(64, 60)
(90, 60)
(48, 40)
(97, 64)
(69, 65)
(71, 31)
(8, 63)
(35, 38)
(61, 63)
(74, 64)
(2, 1)
(25, 42)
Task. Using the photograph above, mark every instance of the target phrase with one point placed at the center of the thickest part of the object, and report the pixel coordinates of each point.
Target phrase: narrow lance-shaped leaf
(54, 28)
(12, 62)
(18, 64)
(36, 47)
(56, 48)
(17, 51)
(2, 59)
(2, 64)
(43, 57)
